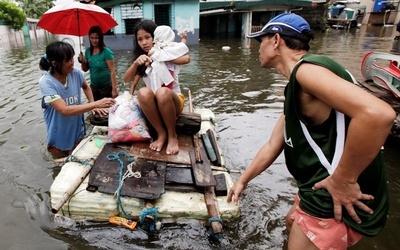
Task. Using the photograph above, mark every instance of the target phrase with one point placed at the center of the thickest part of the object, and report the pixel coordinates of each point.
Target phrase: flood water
(246, 100)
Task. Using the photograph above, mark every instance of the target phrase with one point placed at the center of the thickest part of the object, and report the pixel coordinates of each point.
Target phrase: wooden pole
(209, 192)
(195, 136)
(67, 195)
(212, 208)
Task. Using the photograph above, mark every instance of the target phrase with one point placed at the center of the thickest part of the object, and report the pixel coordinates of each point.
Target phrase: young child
(162, 71)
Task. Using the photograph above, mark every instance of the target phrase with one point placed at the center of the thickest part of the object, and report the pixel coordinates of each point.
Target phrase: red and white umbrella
(76, 19)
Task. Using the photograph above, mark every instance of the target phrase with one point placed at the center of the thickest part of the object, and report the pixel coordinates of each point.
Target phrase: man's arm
(264, 158)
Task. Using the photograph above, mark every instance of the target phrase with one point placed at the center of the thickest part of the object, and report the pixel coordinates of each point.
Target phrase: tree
(12, 15)
(35, 8)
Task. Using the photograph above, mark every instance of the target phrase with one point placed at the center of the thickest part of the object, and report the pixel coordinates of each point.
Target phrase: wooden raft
(194, 173)
(191, 167)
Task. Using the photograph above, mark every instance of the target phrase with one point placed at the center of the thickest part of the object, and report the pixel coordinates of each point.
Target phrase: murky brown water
(246, 100)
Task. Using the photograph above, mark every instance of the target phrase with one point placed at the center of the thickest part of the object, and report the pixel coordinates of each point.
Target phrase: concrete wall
(9, 37)
(370, 5)
(187, 19)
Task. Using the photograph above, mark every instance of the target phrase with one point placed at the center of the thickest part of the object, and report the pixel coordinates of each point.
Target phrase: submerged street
(246, 100)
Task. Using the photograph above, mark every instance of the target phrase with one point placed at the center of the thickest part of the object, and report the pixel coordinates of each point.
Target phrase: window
(162, 14)
(131, 14)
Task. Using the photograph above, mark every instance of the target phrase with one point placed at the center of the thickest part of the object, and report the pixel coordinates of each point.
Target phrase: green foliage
(12, 15)
(35, 8)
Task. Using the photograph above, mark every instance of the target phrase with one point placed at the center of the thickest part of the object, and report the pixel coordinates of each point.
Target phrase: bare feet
(158, 144)
(173, 146)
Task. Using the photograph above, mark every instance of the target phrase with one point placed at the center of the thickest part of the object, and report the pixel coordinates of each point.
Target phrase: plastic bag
(126, 121)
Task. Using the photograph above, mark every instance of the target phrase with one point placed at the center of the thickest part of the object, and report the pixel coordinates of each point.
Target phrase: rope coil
(116, 157)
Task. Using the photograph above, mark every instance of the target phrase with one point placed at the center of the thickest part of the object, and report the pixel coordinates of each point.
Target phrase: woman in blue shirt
(61, 99)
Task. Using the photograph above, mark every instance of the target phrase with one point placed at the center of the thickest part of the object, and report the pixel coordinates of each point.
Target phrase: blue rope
(116, 157)
(83, 162)
(215, 219)
(148, 225)
(216, 236)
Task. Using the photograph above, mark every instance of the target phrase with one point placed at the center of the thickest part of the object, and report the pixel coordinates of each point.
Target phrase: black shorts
(99, 92)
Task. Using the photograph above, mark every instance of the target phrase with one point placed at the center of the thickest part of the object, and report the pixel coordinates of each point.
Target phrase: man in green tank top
(325, 132)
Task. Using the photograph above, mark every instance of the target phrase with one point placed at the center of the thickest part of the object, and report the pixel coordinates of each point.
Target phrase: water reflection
(246, 99)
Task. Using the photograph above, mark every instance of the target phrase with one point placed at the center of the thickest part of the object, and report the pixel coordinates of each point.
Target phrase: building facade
(215, 17)
(180, 15)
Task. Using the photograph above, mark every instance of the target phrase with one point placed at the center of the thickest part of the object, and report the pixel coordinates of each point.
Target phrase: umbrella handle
(79, 31)
(79, 28)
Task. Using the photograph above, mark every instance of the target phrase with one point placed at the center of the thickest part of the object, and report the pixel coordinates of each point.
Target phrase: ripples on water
(246, 99)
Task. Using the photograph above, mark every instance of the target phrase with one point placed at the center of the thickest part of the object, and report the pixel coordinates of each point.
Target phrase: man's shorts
(325, 233)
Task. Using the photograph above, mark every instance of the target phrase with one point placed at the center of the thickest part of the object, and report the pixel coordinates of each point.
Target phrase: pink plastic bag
(126, 121)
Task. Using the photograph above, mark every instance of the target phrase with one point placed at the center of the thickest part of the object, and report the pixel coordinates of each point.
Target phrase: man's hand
(347, 194)
(235, 191)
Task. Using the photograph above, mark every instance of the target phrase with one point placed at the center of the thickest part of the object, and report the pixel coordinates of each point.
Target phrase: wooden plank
(200, 164)
(142, 150)
(188, 123)
(202, 170)
(104, 175)
(213, 140)
(183, 188)
(151, 184)
(179, 175)
(213, 211)
(221, 188)
(209, 148)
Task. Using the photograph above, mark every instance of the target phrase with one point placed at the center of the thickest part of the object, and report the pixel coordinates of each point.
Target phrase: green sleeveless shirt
(305, 166)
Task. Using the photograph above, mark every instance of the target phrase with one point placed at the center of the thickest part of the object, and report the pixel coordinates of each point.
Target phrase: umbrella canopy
(75, 19)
